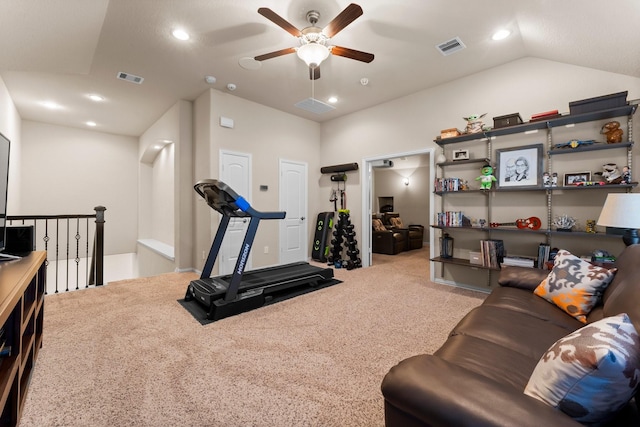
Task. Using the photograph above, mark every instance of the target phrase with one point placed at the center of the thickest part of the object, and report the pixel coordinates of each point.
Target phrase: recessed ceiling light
(180, 34)
(501, 34)
(95, 97)
(92, 124)
(332, 100)
(51, 105)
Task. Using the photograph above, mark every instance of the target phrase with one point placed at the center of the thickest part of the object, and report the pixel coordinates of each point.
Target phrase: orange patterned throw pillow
(574, 285)
(396, 222)
(377, 225)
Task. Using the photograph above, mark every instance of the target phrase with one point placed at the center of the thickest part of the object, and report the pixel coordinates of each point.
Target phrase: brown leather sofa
(387, 241)
(415, 232)
(478, 376)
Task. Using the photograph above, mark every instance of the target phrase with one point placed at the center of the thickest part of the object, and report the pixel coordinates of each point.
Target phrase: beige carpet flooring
(128, 354)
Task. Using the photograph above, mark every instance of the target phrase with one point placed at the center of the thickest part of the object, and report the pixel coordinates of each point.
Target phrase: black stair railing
(53, 234)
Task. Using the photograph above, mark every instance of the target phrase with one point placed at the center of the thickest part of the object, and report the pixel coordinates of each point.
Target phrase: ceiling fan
(314, 42)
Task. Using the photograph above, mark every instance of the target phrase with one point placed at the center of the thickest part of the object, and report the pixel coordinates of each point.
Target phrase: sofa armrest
(437, 393)
(521, 277)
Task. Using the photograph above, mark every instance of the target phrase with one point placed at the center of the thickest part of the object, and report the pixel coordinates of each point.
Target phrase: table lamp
(622, 210)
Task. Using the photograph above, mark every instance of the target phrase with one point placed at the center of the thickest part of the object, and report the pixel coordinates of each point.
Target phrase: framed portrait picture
(460, 154)
(576, 177)
(519, 166)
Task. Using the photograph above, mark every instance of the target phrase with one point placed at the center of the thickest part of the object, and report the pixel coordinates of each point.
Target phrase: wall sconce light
(405, 181)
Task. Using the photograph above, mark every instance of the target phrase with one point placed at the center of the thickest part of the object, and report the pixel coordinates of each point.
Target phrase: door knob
(302, 218)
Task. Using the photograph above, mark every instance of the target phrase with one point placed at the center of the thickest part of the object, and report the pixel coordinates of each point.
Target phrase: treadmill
(230, 294)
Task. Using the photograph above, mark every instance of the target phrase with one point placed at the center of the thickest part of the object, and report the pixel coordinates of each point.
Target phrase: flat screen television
(4, 181)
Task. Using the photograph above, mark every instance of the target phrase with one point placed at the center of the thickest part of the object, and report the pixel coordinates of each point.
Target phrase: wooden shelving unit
(22, 288)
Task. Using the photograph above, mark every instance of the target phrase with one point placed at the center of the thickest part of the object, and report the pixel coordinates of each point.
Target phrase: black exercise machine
(238, 292)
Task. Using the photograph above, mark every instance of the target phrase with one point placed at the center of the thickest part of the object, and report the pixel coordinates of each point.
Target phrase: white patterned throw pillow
(591, 373)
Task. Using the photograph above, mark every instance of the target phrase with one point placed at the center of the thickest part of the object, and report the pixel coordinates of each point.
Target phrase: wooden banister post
(96, 275)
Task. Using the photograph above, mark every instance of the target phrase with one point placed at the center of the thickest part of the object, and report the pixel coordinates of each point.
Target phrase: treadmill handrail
(224, 200)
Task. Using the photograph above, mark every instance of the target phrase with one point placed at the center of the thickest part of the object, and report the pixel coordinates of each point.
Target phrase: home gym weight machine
(230, 294)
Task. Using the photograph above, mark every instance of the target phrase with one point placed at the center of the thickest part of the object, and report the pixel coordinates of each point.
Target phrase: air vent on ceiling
(130, 78)
(450, 46)
(315, 106)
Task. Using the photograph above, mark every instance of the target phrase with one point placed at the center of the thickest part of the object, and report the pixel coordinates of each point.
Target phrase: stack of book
(447, 184)
(543, 255)
(453, 219)
(492, 252)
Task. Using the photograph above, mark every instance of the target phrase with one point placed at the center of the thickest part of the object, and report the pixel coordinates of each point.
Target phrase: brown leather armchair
(415, 232)
(386, 241)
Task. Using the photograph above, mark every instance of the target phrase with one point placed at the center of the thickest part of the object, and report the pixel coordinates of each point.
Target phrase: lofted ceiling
(62, 50)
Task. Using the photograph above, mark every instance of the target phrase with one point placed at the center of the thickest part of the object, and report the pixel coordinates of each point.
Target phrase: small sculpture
(554, 179)
(591, 226)
(564, 222)
(575, 143)
(546, 179)
(611, 173)
(474, 123)
(626, 175)
(487, 178)
(612, 131)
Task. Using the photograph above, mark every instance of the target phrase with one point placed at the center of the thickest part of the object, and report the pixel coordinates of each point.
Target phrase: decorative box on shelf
(507, 120)
(475, 258)
(449, 133)
(553, 114)
(598, 103)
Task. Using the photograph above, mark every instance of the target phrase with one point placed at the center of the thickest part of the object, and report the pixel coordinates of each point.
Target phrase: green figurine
(487, 178)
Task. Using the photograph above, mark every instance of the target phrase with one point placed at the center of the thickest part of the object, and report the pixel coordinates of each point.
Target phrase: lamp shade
(313, 54)
(621, 210)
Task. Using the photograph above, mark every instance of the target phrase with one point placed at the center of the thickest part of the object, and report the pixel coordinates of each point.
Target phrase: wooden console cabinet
(22, 287)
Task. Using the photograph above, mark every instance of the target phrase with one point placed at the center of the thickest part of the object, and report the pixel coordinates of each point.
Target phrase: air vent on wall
(382, 163)
(130, 78)
(315, 106)
(451, 46)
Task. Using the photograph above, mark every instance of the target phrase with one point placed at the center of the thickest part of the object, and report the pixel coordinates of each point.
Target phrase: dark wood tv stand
(22, 287)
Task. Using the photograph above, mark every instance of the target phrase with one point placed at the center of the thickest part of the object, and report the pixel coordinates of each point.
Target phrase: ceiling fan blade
(275, 54)
(279, 21)
(352, 54)
(344, 18)
(314, 73)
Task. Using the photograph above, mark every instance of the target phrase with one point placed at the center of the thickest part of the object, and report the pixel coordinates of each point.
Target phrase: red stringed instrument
(532, 223)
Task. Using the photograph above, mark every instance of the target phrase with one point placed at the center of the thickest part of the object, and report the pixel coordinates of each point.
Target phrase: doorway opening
(407, 178)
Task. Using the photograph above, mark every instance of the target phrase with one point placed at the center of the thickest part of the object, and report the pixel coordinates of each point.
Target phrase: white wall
(64, 170)
(71, 171)
(166, 180)
(10, 128)
(410, 201)
(527, 86)
(268, 135)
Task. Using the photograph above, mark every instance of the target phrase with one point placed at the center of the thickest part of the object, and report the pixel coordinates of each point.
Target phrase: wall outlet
(266, 249)
(204, 255)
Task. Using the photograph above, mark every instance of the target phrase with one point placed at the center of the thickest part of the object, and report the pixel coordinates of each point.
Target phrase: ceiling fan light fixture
(313, 54)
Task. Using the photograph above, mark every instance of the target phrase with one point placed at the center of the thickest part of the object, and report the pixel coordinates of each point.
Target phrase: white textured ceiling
(62, 50)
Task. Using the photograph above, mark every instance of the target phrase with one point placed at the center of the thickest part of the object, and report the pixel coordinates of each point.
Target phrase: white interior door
(235, 171)
(293, 200)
